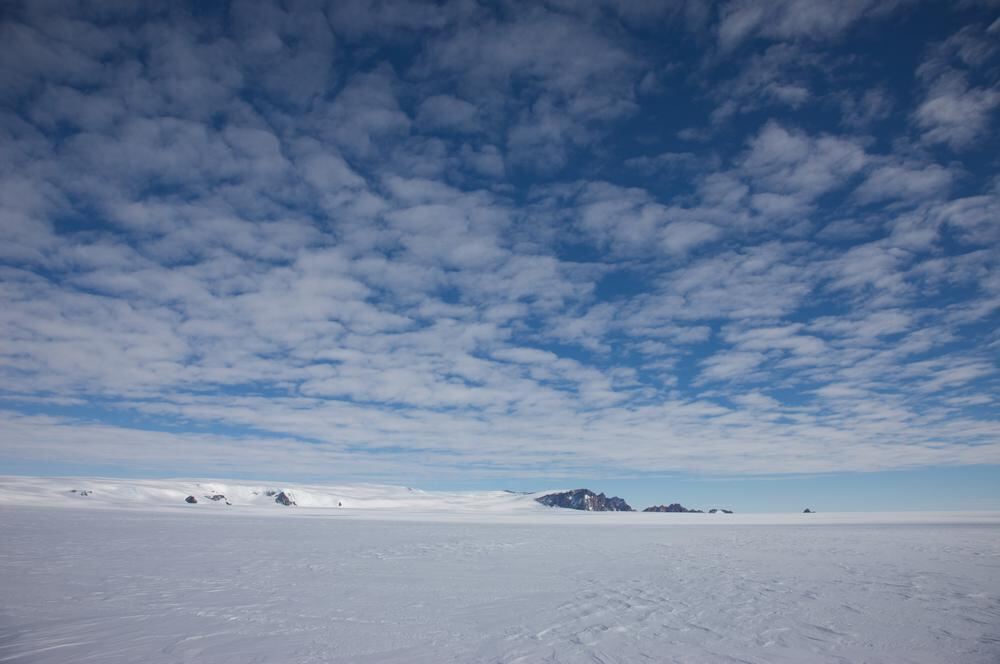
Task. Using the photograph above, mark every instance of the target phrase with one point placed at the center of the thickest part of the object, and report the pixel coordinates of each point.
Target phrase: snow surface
(131, 573)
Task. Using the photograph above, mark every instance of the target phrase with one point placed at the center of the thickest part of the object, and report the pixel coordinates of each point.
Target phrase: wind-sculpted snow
(502, 582)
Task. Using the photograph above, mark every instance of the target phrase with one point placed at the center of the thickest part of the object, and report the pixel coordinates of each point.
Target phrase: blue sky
(738, 253)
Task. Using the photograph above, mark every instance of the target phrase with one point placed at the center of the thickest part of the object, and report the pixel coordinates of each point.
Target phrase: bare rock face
(191, 499)
(672, 507)
(216, 497)
(585, 499)
(285, 498)
(716, 510)
(808, 511)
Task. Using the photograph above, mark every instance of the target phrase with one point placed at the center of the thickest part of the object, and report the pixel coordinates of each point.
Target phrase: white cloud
(870, 106)
(448, 112)
(955, 111)
(680, 236)
(365, 113)
(564, 74)
(779, 76)
(955, 114)
(788, 162)
(731, 365)
(791, 19)
(905, 181)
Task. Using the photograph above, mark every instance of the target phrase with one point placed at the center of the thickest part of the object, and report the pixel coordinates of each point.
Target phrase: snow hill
(103, 492)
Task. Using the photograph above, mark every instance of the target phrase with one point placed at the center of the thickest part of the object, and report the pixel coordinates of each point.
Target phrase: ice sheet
(154, 584)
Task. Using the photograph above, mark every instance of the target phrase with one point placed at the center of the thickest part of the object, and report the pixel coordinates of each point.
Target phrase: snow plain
(130, 573)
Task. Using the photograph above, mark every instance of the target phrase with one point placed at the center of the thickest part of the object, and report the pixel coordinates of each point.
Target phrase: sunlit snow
(132, 573)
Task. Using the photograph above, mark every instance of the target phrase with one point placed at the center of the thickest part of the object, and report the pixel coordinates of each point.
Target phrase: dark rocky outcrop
(285, 499)
(715, 510)
(808, 511)
(585, 499)
(216, 497)
(673, 507)
(191, 499)
(82, 492)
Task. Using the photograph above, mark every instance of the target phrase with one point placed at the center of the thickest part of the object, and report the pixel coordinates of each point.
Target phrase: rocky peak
(285, 498)
(585, 499)
(672, 507)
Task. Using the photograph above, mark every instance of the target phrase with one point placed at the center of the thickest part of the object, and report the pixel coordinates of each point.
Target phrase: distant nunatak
(587, 500)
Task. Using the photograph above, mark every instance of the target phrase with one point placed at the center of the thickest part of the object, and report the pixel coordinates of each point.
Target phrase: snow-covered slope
(119, 493)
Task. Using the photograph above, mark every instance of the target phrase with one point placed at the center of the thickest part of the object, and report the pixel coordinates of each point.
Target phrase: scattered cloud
(955, 111)
(741, 20)
(389, 241)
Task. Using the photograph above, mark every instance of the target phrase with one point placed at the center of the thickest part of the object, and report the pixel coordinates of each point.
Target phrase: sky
(739, 253)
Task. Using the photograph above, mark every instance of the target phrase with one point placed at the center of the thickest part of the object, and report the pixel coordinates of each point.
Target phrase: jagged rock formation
(715, 510)
(672, 507)
(191, 499)
(585, 499)
(285, 499)
(808, 511)
(82, 492)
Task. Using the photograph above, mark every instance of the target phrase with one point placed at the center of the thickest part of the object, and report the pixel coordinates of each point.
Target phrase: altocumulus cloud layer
(388, 238)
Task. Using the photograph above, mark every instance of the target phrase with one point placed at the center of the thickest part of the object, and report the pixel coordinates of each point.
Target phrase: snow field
(244, 585)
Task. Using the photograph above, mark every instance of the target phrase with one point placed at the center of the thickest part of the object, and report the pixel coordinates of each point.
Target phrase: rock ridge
(586, 500)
